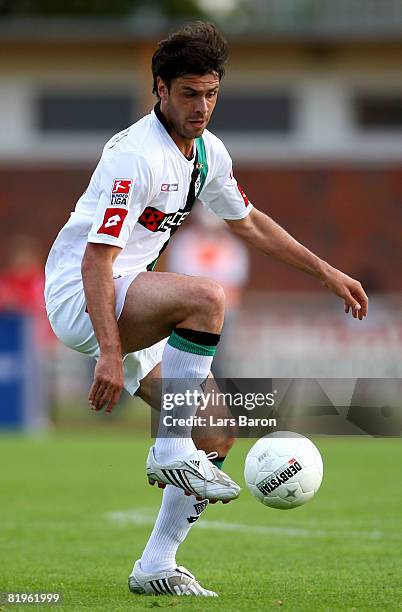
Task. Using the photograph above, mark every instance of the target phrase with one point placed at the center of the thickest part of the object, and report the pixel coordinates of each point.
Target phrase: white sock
(193, 369)
(176, 516)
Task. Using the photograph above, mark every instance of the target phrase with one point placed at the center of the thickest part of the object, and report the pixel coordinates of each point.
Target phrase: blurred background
(311, 113)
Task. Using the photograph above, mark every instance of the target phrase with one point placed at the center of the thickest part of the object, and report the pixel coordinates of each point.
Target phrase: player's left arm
(265, 234)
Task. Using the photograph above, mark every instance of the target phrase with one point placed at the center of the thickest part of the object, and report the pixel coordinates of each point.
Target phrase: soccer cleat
(196, 475)
(171, 582)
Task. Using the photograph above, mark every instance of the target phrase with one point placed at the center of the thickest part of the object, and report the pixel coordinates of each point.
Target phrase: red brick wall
(350, 216)
(37, 201)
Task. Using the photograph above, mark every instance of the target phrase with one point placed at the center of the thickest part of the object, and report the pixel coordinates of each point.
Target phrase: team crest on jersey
(157, 221)
(120, 192)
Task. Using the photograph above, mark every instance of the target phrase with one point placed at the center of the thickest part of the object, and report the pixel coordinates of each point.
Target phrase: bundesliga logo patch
(120, 192)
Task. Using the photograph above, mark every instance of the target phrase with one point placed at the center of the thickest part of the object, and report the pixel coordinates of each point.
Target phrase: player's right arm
(97, 276)
(126, 185)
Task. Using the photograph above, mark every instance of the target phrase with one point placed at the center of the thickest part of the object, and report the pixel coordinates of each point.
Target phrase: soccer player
(104, 299)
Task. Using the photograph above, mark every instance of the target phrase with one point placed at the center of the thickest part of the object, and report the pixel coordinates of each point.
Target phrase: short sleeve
(223, 195)
(126, 184)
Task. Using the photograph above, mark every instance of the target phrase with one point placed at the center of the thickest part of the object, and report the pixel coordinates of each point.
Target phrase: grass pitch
(76, 511)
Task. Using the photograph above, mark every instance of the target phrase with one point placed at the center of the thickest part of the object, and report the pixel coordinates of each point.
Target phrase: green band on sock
(190, 347)
(218, 462)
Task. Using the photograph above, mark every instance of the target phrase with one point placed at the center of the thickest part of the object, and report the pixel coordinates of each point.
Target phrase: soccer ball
(283, 470)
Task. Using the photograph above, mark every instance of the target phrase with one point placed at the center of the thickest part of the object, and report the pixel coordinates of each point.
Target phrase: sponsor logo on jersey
(112, 222)
(157, 221)
(243, 195)
(170, 187)
(120, 192)
(280, 476)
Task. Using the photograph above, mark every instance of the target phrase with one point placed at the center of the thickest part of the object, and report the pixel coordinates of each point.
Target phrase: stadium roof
(267, 26)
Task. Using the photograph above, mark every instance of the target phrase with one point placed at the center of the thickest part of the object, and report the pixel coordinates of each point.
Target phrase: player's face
(189, 102)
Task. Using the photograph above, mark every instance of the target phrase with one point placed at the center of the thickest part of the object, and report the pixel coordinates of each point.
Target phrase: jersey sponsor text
(157, 221)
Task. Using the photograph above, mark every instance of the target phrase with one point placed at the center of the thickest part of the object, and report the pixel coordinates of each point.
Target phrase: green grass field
(76, 512)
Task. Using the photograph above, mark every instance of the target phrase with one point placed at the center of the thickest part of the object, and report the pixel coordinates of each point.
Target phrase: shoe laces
(188, 585)
(212, 455)
(192, 580)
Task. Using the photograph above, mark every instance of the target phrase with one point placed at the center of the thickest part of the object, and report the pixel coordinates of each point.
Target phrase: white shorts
(73, 327)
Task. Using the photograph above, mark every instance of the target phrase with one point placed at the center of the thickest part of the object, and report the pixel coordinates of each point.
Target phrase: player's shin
(176, 516)
(186, 363)
(175, 458)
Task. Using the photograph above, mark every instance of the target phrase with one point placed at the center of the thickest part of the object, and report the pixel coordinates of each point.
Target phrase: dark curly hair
(196, 49)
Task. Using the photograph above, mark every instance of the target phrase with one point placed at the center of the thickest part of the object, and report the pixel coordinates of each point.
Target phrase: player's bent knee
(211, 297)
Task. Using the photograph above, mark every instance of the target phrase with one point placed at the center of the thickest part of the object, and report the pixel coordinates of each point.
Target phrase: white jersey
(141, 191)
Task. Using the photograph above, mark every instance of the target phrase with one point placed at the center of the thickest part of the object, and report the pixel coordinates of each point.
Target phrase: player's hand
(350, 290)
(108, 382)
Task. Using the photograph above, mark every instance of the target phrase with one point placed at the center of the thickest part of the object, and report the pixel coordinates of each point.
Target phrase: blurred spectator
(22, 284)
(208, 249)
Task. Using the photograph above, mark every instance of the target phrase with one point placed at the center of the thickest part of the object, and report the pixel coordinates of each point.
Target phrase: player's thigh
(156, 302)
